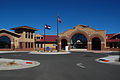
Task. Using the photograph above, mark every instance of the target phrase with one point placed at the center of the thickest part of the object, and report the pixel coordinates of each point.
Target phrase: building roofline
(10, 32)
(25, 27)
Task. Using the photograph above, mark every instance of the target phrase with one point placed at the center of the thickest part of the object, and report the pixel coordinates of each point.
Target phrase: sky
(98, 14)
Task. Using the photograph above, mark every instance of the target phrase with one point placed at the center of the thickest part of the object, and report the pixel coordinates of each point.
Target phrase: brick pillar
(23, 45)
(59, 45)
(102, 46)
(89, 44)
(12, 45)
(30, 44)
(27, 45)
(33, 45)
(68, 45)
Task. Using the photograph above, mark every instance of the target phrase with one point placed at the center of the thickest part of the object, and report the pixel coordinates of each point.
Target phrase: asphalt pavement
(74, 66)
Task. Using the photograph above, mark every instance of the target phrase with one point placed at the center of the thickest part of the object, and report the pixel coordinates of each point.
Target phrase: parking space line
(80, 65)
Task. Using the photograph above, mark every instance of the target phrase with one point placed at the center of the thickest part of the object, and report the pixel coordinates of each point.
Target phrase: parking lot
(74, 66)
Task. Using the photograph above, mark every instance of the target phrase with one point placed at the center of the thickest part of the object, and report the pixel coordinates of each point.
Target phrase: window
(41, 37)
(84, 26)
(26, 45)
(37, 45)
(20, 44)
(31, 35)
(115, 45)
(26, 35)
(38, 37)
(110, 45)
(41, 45)
(31, 45)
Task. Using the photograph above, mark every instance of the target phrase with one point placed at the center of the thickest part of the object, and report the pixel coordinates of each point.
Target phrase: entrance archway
(63, 44)
(96, 44)
(5, 42)
(78, 41)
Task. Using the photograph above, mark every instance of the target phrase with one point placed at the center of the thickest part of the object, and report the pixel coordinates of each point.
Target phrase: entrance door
(63, 44)
(96, 44)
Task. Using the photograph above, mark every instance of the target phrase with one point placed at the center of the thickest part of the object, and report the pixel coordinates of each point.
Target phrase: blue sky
(98, 14)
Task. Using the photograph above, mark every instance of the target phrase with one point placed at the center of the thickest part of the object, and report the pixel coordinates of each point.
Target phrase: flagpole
(57, 35)
(44, 37)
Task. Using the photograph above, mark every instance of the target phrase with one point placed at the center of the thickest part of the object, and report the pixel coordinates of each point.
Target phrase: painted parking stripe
(80, 65)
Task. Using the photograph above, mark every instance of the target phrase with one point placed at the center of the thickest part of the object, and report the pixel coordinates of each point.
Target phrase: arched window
(5, 42)
(78, 41)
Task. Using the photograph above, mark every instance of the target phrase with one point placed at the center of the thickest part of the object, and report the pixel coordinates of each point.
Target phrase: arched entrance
(78, 41)
(5, 42)
(96, 44)
(63, 44)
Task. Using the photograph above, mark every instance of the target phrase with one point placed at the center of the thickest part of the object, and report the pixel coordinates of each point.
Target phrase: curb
(14, 64)
(2, 52)
(34, 52)
(109, 60)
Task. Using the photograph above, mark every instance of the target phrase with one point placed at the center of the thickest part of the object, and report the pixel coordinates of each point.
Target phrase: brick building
(80, 37)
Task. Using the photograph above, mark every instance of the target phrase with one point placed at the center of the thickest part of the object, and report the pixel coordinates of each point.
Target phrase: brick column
(12, 45)
(33, 45)
(102, 46)
(30, 44)
(23, 45)
(89, 44)
(59, 46)
(68, 45)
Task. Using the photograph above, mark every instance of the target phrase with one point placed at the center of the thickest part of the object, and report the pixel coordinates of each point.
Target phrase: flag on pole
(47, 27)
(59, 19)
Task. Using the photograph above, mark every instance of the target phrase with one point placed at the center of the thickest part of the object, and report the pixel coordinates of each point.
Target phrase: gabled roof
(24, 27)
(109, 36)
(80, 27)
(48, 38)
(111, 39)
(13, 33)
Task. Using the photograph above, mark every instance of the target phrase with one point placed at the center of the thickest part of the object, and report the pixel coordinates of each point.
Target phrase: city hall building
(80, 37)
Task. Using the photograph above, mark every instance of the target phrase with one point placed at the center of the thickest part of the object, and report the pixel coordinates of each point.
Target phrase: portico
(83, 37)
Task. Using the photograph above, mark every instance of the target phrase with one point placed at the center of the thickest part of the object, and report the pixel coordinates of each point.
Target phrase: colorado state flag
(47, 27)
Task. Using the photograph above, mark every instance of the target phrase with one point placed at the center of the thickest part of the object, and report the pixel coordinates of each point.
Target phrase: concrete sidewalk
(35, 52)
(1, 52)
(94, 51)
(74, 50)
